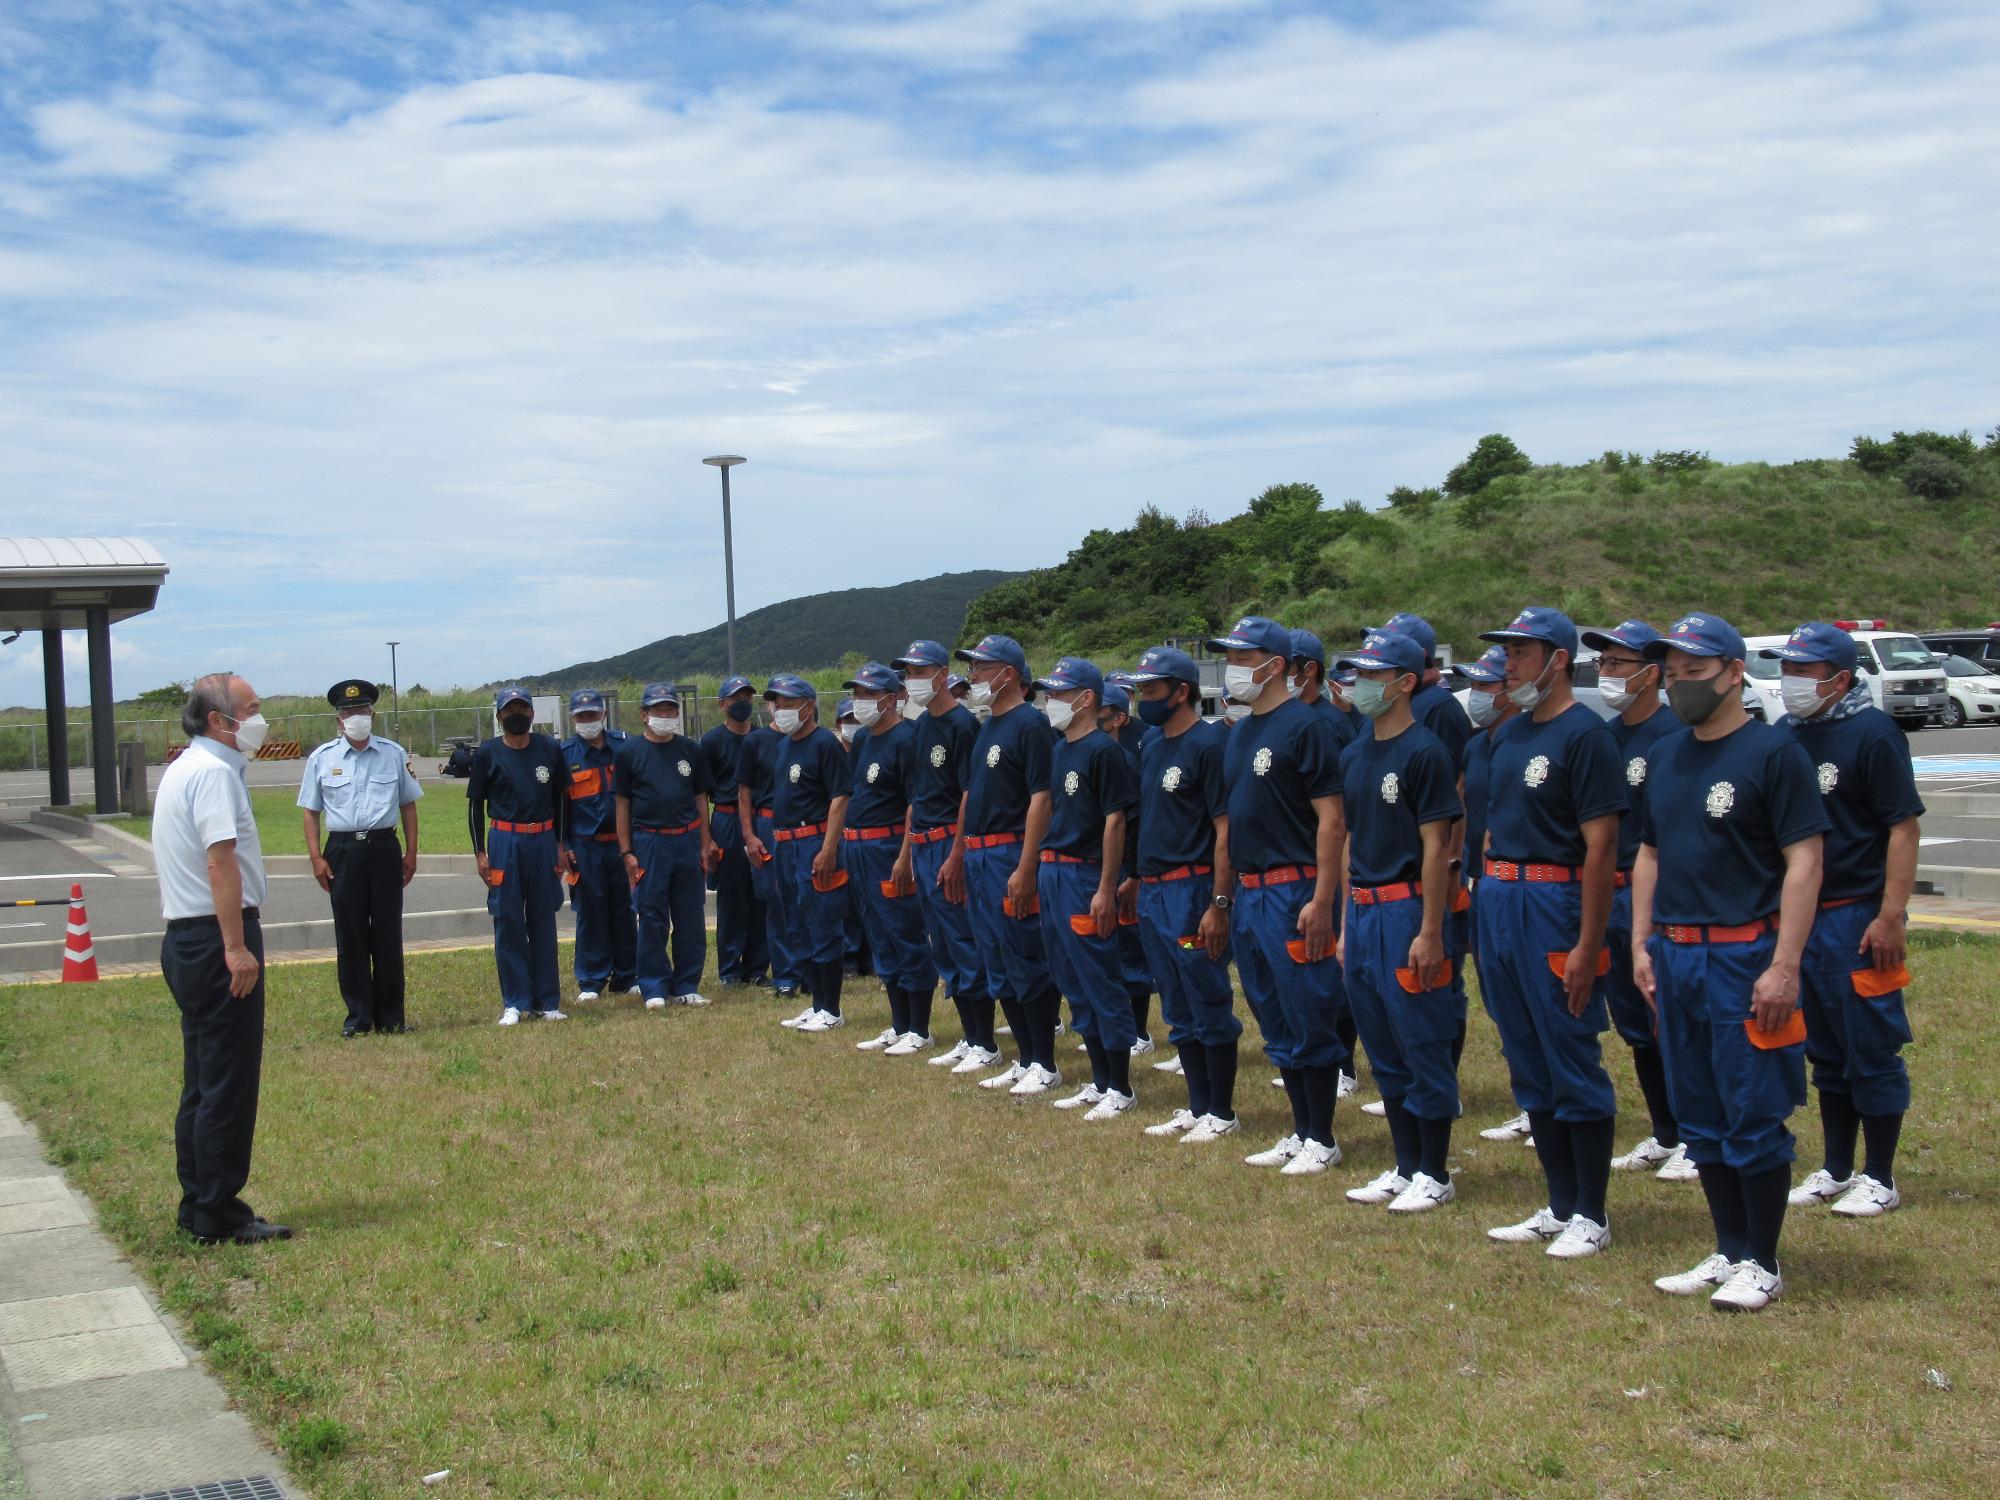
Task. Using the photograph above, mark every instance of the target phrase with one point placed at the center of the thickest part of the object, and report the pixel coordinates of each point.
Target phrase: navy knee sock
(982, 1008)
(1840, 1124)
(1881, 1132)
(1194, 1063)
(831, 974)
(1653, 1085)
(1350, 1036)
(1100, 1062)
(1764, 1213)
(1221, 1080)
(1723, 1187)
(1295, 1090)
(1119, 1062)
(1590, 1144)
(899, 1008)
(1434, 1148)
(1322, 1089)
(920, 1009)
(1458, 1046)
(968, 1008)
(1403, 1135)
(1142, 1008)
(1041, 1012)
(1017, 1019)
(1558, 1162)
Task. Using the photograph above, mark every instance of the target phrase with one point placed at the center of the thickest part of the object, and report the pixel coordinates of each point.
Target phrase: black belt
(361, 835)
(176, 924)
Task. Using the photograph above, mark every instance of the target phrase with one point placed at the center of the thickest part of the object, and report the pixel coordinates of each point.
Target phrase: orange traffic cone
(79, 957)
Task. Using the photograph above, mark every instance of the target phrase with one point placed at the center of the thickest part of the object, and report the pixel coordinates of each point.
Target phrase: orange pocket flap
(1557, 961)
(1031, 908)
(1461, 899)
(1871, 984)
(1191, 943)
(890, 890)
(1297, 949)
(586, 781)
(1787, 1035)
(1084, 925)
(1407, 978)
(831, 882)
(1131, 921)
(570, 877)
(494, 877)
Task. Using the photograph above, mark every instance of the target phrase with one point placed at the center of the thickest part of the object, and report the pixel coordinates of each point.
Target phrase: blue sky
(391, 320)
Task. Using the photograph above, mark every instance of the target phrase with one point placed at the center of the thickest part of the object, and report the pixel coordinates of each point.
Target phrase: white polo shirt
(203, 800)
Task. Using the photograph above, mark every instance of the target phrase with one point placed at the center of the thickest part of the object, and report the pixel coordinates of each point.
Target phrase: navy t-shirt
(664, 780)
(1274, 765)
(1181, 794)
(1089, 779)
(527, 785)
(1346, 729)
(881, 777)
(1862, 767)
(1718, 812)
(1438, 711)
(1390, 789)
(940, 765)
(1546, 781)
(759, 762)
(591, 807)
(1635, 753)
(723, 749)
(807, 775)
(1478, 778)
(1010, 763)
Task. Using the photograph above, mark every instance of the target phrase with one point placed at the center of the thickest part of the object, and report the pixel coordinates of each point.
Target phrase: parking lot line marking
(73, 875)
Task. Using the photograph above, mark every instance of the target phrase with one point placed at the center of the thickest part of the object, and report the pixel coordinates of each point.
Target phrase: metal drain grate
(256, 1487)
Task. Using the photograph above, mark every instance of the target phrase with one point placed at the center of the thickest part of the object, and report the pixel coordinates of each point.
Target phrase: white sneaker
(1516, 1129)
(1705, 1277)
(1143, 1047)
(1867, 1199)
(1312, 1157)
(1171, 1065)
(798, 1020)
(1277, 1080)
(1538, 1228)
(951, 1057)
(976, 1059)
(1422, 1195)
(1180, 1121)
(585, 996)
(1677, 1168)
(658, 1002)
(1821, 1187)
(1037, 1080)
(1278, 1155)
(1384, 1189)
(1014, 1074)
(1643, 1157)
(1211, 1128)
(1003, 1031)
(1112, 1105)
(632, 990)
(908, 1044)
(819, 1021)
(1580, 1237)
(1083, 1098)
(1377, 1107)
(554, 1015)
(1750, 1288)
(1348, 1084)
(510, 1017)
(691, 998)
(876, 1043)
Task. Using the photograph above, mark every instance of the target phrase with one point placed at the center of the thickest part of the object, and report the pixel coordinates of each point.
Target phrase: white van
(1904, 676)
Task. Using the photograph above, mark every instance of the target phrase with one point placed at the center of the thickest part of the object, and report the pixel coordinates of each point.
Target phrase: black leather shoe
(254, 1233)
(352, 1030)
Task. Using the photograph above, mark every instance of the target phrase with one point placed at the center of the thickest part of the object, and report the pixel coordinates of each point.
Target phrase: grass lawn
(440, 820)
(692, 1253)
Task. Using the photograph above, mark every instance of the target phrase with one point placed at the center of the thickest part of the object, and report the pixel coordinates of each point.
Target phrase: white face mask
(1484, 708)
(1060, 714)
(250, 734)
(590, 729)
(1242, 682)
(847, 733)
(1801, 696)
(786, 720)
(866, 711)
(921, 691)
(911, 709)
(1528, 696)
(981, 694)
(664, 724)
(358, 727)
(1236, 711)
(1291, 686)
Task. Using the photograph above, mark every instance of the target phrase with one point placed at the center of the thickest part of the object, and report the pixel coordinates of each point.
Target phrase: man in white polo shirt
(211, 870)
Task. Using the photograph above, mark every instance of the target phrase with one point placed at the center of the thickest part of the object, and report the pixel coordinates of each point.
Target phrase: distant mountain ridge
(799, 634)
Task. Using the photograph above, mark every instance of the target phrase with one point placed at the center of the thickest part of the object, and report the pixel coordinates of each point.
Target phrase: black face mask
(1695, 702)
(740, 712)
(517, 723)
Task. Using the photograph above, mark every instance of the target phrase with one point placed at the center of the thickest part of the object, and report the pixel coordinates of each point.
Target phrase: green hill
(1907, 530)
(820, 630)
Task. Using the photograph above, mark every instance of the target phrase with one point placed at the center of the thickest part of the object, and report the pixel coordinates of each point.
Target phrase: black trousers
(368, 925)
(222, 1061)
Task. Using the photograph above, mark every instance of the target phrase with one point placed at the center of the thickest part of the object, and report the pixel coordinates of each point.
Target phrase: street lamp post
(395, 691)
(726, 462)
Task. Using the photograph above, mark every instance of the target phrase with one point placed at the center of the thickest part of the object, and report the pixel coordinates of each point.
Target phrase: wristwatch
(1223, 903)
(627, 854)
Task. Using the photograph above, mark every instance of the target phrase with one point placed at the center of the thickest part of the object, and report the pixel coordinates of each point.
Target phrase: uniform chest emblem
(1721, 797)
(1261, 761)
(1536, 771)
(1172, 780)
(937, 757)
(874, 770)
(992, 757)
(1392, 788)
(795, 774)
(1635, 771)
(1070, 783)
(1829, 777)
(336, 770)
(542, 774)
(684, 768)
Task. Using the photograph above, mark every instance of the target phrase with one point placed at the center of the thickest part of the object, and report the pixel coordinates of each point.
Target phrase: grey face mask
(1696, 702)
(1481, 708)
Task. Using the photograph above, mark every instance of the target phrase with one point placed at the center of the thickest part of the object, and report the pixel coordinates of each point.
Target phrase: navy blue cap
(844, 709)
(1538, 623)
(657, 693)
(1003, 649)
(1417, 628)
(586, 700)
(1817, 641)
(1386, 650)
(1255, 633)
(1072, 673)
(731, 686)
(1165, 664)
(1306, 645)
(954, 683)
(1633, 635)
(1118, 695)
(1489, 666)
(924, 654)
(786, 685)
(875, 678)
(513, 692)
(1699, 635)
(1343, 675)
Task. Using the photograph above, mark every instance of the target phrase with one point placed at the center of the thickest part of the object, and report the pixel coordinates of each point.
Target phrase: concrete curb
(1959, 882)
(432, 864)
(1960, 804)
(130, 845)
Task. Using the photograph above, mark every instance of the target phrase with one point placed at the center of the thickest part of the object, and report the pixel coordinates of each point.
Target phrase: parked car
(1973, 688)
(1973, 645)
(1903, 674)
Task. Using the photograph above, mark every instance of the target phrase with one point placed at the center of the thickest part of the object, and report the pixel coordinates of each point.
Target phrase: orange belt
(786, 835)
(1505, 869)
(1050, 857)
(1179, 872)
(673, 832)
(1749, 932)
(990, 840)
(506, 827)
(869, 835)
(932, 835)
(1621, 879)
(1844, 901)
(764, 812)
(1281, 875)
(602, 838)
(1381, 895)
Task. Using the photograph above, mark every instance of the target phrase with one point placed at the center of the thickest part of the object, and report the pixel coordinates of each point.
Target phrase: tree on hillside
(1492, 457)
